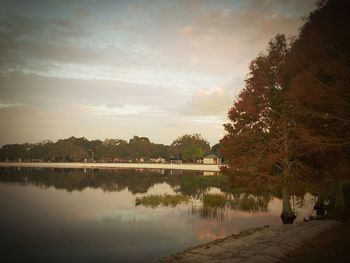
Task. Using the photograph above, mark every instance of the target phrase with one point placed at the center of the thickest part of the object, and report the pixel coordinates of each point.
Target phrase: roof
(211, 156)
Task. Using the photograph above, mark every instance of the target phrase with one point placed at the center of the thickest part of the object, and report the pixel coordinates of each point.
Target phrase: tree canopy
(190, 147)
(292, 118)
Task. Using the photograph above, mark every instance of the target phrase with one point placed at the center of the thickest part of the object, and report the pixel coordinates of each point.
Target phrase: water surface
(124, 214)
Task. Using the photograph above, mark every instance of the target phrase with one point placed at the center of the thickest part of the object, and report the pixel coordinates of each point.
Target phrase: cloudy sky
(114, 69)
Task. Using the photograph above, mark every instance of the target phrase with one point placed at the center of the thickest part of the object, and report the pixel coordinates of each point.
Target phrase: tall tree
(294, 110)
(321, 75)
(256, 117)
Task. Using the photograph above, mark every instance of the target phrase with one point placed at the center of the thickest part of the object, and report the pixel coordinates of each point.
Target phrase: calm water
(124, 215)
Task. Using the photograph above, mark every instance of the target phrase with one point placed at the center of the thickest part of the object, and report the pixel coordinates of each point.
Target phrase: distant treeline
(189, 148)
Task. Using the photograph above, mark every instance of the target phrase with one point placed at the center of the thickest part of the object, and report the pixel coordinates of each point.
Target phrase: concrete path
(267, 244)
(170, 166)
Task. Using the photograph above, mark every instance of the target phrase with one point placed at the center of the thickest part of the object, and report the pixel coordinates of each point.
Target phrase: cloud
(55, 92)
(125, 109)
(115, 68)
(214, 102)
(186, 30)
(27, 42)
(144, 37)
(9, 105)
(65, 48)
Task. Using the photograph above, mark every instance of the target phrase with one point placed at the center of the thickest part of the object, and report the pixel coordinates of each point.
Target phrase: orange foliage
(293, 116)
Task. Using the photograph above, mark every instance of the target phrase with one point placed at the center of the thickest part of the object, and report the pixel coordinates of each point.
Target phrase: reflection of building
(210, 173)
(211, 159)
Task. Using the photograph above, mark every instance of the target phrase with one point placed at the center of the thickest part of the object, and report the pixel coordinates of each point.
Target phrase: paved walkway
(267, 244)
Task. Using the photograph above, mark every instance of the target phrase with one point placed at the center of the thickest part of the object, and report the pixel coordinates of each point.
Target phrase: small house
(211, 159)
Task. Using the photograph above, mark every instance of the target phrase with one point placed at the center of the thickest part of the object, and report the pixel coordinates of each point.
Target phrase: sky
(114, 69)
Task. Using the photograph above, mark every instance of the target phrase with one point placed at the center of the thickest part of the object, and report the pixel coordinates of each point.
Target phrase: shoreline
(264, 244)
(76, 165)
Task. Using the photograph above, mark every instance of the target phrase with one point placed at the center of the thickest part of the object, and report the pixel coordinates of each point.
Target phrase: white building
(211, 159)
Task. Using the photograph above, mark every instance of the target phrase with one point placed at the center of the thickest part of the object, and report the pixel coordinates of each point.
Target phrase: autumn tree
(294, 110)
(319, 62)
(256, 115)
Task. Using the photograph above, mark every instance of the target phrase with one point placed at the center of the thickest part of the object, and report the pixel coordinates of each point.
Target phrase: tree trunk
(286, 164)
(339, 204)
(287, 214)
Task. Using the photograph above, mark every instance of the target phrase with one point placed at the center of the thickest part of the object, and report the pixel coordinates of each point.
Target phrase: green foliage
(79, 149)
(164, 200)
(190, 147)
(250, 203)
(217, 200)
(72, 149)
(192, 153)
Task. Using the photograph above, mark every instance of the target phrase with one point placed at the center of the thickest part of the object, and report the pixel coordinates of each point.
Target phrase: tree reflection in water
(191, 189)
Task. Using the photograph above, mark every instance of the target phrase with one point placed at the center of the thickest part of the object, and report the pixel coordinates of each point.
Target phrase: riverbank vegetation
(189, 148)
(161, 200)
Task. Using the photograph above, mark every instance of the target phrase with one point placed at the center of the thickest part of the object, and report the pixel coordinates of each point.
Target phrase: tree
(254, 142)
(139, 147)
(78, 149)
(110, 149)
(190, 147)
(216, 149)
(294, 112)
(14, 152)
(320, 57)
(68, 150)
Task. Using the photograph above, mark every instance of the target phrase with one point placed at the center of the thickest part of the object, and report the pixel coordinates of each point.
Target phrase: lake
(125, 214)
